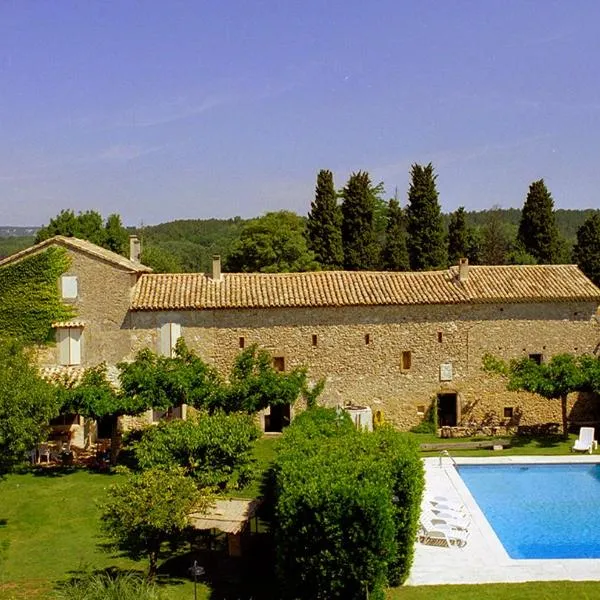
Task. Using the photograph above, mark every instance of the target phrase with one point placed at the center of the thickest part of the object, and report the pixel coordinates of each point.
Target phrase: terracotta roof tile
(83, 246)
(515, 283)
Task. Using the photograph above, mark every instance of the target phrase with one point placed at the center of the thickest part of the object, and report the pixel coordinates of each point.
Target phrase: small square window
(508, 412)
(279, 363)
(536, 358)
(367, 339)
(406, 360)
(314, 339)
(242, 342)
(68, 284)
(440, 337)
(421, 409)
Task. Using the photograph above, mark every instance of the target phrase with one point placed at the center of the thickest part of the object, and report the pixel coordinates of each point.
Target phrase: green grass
(541, 590)
(50, 531)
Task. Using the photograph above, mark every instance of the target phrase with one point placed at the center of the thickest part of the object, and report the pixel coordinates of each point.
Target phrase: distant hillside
(6, 231)
(193, 241)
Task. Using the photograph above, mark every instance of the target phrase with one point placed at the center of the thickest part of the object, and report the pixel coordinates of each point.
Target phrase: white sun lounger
(434, 534)
(585, 442)
(442, 503)
(454, 520)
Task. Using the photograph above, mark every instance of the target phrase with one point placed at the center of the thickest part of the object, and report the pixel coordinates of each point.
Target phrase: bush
(105, 586)
(346, 508)
(213, 449)
(429, 424)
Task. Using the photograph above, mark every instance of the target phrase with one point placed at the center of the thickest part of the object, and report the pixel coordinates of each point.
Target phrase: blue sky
(195, 109)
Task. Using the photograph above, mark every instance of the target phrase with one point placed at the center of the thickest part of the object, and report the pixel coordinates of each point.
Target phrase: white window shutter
(62, 340)
(75, 346)
(69, 286)
(165, 339)
(175, 335)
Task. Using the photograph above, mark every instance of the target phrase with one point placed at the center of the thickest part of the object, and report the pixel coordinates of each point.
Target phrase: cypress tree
(586, 252)
(458, 236)
(358, 224)
(426, 240)
(395, 253)
(538, 233)
(324, 224)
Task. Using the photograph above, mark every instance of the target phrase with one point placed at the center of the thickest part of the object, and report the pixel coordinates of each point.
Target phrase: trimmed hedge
(346, 508)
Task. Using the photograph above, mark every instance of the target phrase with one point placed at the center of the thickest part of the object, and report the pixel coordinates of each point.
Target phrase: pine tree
(538, 233)
(395, 252)
(458, 236)
(358, 224)
(426, 240)
(324, 224)
(586, 252)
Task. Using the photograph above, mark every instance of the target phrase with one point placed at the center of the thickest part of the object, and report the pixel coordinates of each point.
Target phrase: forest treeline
(354, 228)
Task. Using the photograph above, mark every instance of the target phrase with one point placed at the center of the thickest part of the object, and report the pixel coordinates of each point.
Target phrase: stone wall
(104, 293)
(358, 350)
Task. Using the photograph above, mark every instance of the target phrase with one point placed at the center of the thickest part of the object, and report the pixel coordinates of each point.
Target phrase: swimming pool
(540, 511)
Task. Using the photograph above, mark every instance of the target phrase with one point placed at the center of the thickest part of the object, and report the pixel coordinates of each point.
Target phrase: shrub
(214, 449)
(429, 424)
(106, 586)
(346, 507)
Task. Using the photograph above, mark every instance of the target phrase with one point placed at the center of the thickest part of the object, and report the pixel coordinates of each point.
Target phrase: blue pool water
(540, 511)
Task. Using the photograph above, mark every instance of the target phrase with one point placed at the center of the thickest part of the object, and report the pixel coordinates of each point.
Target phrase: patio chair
(453, 520)
(585, 442)
(442, 503)
(434, 534)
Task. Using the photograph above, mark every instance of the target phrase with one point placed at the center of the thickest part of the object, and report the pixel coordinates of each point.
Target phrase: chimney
(135, 248)
(216, 268)
(463, 269)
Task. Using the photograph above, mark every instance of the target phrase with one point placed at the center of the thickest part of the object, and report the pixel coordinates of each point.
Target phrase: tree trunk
(153, 568)
(115, 441)
(565, 421)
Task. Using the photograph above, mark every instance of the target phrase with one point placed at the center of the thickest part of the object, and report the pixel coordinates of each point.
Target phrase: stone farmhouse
(401, 343)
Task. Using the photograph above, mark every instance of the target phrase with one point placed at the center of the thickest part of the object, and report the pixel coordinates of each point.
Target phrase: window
(68, 287)
(421, 409)
(367, 339)
(508, 412)
(406, 360)
(279, 363)
(169, 334)
(440, 337)
(69, 345)
(314, 339)
(536, 358)
(242, 342)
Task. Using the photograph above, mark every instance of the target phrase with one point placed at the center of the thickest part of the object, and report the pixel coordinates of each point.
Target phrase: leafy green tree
(116, 236)
(395, 251)
(426, 240)
(27, 403)
(359, 239)
(216, 450)
(538, 232)
(554, 380)
(458, 236)
(149, 509)
(274, 243)
(161, 260)
(88, 226)
(254, 384)
(586, 252)
(324, 224)
(496, 241)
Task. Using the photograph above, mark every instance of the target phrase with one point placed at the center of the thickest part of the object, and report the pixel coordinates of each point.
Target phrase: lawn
(50, 531)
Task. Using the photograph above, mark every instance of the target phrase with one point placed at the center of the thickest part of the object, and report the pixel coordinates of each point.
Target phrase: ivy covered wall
(30, 299)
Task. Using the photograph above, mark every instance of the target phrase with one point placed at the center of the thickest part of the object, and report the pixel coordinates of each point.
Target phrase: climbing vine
(30, 299)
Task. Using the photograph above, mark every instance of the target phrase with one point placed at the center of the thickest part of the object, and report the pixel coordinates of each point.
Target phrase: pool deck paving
(484, 559)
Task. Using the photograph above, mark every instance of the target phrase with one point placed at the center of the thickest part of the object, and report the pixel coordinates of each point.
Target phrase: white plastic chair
(585, 442)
